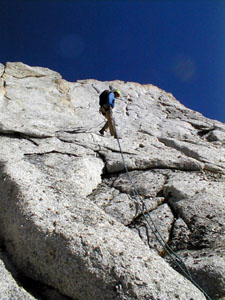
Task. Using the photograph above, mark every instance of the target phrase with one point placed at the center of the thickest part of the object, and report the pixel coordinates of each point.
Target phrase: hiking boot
(101, 132)
(117, 137)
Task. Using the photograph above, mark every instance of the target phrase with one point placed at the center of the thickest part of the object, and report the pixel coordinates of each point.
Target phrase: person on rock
(106, 102)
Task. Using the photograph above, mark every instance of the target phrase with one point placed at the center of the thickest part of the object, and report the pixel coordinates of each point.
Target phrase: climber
(106, 102)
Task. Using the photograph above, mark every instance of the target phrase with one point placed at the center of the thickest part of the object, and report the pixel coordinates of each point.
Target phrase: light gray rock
(200, 203)
(33, 92)
(216, 135)
(147, 184)
(2, 68)
(180, 235)
(207, 267)
(63, 239)
(211, 156)
(9, 288)
(163, 219)
(2, 89)
(116, 196)
(68, 217)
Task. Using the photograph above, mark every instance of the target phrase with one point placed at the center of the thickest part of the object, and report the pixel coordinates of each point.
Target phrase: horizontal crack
(203, 132)
(15, 134)
(18, 135)
(77, 130)
(77, 143)
(150, 169)
(118, 151)
(184, 150)
(29, 76)
(201, 126)
(49, 152)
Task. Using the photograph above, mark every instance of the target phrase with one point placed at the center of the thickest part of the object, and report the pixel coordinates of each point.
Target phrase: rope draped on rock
(146, 215)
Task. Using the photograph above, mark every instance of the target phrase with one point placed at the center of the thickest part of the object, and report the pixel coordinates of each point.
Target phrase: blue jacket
(111, 99)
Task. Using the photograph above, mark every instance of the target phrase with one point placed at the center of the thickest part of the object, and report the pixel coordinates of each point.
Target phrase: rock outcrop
(68, 218)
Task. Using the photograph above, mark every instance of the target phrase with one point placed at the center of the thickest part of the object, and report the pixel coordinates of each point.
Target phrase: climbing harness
(146, 215)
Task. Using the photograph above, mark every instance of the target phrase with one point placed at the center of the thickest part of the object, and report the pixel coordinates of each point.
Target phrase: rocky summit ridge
(70, 227)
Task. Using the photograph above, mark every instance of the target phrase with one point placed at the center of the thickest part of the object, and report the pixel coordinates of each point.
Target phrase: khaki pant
(107, 113)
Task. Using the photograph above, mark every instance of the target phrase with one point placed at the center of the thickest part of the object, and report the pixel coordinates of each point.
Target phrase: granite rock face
(68, 215)
(9, 288)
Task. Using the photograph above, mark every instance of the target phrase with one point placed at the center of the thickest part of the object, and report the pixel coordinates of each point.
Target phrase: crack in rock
(49, 152)
(195, 152)
(67, 210)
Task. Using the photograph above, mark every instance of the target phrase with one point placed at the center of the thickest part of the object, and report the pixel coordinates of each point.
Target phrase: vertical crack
(103, 158)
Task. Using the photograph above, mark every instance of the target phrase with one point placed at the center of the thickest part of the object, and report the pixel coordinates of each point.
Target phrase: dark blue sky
(178, 45)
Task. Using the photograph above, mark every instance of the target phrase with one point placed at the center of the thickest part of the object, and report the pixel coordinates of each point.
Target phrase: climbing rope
(147, 217)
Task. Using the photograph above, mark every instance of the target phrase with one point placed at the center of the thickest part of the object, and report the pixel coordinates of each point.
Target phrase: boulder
(69, 217)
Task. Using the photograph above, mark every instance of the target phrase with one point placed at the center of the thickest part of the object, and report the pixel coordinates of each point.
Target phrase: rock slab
(68, 217)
